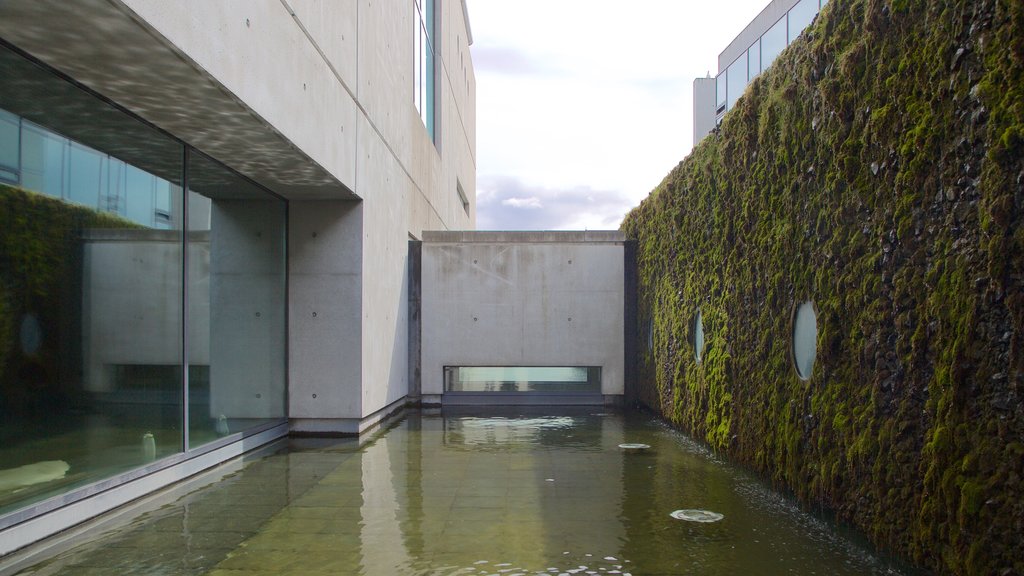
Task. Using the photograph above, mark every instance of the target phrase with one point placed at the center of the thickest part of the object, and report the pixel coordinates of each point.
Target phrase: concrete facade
(313, 100)
(523, 299)
(703, 107)
(710, 102)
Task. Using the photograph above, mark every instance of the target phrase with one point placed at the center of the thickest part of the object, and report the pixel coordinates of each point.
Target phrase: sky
(584, 106)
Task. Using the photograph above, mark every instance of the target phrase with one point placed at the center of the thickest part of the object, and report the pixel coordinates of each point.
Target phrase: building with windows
(749, 54)
(205, 216)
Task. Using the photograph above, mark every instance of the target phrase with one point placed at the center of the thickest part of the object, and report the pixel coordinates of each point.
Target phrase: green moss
(907, 427)
(39, 248)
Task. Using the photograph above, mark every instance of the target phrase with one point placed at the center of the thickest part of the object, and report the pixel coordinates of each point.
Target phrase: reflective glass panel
(236, 303)
(754, 60)
(721, 89)
(800, 16)
(10, 138)
(90, 301)
(773, 42)
(805, 339)
(698, 336)
(737, 73)
(523, 379)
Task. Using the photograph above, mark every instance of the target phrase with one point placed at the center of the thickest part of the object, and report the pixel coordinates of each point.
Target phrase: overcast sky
(583, 106)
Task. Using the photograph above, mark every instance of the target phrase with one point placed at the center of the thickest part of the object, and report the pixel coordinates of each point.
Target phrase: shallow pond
(504, 494)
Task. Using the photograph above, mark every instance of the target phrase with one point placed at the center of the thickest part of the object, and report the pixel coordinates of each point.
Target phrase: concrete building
(220, 197)
(751, 52)
(523, 317)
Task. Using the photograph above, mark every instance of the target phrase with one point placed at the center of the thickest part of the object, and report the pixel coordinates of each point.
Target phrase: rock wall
(875, 170)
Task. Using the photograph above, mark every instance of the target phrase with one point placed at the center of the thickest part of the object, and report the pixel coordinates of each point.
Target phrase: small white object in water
(148, 447)
(704, 516)
(29, 474)
(549, 479)
(222, 426)
(612, 558)
(634, 447)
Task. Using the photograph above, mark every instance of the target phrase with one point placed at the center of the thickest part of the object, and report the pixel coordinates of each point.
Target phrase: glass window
(42, 160)
(83, 178)
(424, 49)
(10, 137)
(754, 60)
(773, 42)
(236, 311)
(737, 73)
(523, 379)
(92, 326)
(805, 339)
(721, 89)
(90, 377)
(800, 16)
(698, 337)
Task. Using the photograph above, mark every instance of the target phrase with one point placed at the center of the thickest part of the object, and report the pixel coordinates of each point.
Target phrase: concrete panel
(325, 350)
(385, 61)
(131, 309)
(331, 25)
(385, 274)
(523, 303)
(246, 314)
(325, 304)
(325, 237)
(704, 96)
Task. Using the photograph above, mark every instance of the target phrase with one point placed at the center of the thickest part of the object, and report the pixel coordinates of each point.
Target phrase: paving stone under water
(499, 495)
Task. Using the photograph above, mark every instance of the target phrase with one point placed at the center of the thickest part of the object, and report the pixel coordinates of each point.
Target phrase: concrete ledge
(37, 528)
(523, 237)
(347, 426)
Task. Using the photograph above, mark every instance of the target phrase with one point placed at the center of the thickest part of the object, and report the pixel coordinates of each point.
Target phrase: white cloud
(531, 202)
(595, 95)
(505, 203)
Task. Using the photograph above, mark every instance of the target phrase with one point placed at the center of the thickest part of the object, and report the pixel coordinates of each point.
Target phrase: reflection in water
(527, 494)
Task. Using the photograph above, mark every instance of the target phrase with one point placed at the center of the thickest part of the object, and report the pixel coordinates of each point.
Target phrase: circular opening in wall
(805, 339)
(698, 336)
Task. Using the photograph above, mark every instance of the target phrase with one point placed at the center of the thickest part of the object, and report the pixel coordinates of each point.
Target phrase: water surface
(469, 494)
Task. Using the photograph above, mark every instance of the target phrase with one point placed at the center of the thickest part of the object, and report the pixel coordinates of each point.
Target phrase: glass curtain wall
(94, 246)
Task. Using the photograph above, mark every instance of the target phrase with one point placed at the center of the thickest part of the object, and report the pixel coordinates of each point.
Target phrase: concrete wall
(314, 100)
(522, 299)
(704, 96)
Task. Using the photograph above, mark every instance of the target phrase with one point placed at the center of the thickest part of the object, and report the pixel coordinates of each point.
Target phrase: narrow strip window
(424, 49)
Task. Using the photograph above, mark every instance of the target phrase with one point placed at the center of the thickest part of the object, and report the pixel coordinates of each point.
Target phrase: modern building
(749, 54)
(205, 216)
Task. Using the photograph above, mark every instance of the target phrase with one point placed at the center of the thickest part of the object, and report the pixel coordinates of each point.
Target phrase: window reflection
(236, 280)
(754, 60)
(523, 379)
(92, 326)
(800, 17)
(737, 78)
(773, 42)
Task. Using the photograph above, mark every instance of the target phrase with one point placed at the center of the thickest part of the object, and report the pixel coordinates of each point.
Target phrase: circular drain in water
(634, 447)
(704, 516)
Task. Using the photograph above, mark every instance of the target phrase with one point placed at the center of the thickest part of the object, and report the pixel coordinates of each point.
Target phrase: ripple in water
(703, 516)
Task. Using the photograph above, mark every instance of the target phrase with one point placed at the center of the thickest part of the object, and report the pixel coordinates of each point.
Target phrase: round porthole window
(698, 336)
(805, 339)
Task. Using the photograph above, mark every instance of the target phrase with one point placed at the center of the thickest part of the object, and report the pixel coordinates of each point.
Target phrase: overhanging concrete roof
(106, 47)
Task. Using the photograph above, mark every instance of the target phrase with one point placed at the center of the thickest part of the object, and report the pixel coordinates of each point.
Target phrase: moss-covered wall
(875, 169)
(40, 276)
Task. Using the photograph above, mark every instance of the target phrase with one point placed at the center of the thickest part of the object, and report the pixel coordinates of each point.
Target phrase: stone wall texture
(877, 170)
